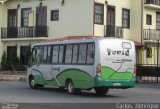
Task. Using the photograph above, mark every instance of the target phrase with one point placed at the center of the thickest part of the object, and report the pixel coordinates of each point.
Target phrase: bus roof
(75, 39)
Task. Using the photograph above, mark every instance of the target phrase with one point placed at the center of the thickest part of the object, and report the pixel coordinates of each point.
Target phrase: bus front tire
(101, 90)
(32, 83)
(70, 87)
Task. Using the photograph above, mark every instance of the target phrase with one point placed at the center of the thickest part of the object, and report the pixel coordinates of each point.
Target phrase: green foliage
(13, 64)
(4, 61)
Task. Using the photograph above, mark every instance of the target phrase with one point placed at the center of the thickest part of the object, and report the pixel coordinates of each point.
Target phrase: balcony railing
(154, 2)
(24, 32)
(114, 31)
(151, 34)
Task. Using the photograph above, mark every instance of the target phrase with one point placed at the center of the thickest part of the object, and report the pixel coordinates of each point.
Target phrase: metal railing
(113, 31)
(151, 34)
(149, 73)
(154, 2)
(24, 32)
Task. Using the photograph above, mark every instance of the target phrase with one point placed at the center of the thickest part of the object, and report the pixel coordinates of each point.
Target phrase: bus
(83, 64)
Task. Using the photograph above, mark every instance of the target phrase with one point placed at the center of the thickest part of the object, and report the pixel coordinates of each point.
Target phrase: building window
(126, 18)
(25, 17)
(149, 52)
(158, 21)
(149, 19)
(41, 16)
(12, 18)
(99, 13)
(54, 15)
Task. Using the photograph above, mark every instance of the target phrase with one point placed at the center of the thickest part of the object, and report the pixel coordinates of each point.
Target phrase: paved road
(19, 92)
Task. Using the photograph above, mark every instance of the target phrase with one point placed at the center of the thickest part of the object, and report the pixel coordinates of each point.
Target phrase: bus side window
(45, 54)
(55, 54)
(34, 53)
(39, 55)
(49, 54)
(61, 54)
(82, 53)
(75, 54)
(90, 54)
(68, 54)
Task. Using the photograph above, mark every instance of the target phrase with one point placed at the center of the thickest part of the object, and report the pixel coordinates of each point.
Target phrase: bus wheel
(32, 83)
(101, 90)
(70, 87)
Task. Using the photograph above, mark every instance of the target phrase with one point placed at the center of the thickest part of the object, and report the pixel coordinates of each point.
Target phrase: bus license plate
(116, 84)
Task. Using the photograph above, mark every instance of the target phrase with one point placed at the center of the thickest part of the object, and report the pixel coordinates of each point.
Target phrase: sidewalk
(150, 85)
(8, 76)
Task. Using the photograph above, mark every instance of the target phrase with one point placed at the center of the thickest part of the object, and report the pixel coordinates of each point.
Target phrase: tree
(4, 61)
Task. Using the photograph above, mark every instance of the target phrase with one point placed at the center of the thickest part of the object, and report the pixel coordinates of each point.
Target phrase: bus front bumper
(99, 82)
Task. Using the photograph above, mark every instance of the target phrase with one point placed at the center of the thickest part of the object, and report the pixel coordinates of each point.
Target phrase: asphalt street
(19, 92)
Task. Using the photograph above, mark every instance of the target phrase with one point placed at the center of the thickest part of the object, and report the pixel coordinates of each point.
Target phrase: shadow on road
(82, 94)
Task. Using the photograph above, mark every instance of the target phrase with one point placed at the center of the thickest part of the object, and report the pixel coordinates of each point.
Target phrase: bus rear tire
(101, 90)
(71, 89)
(32, 83)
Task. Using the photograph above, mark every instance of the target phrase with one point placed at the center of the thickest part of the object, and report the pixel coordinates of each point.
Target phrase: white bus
(88, 63)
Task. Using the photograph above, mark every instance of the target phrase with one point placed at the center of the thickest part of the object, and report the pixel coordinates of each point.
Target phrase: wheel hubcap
(70, 87)
(32, 82)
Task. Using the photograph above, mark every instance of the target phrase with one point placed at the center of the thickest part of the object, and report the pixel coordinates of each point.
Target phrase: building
(25, 22)
(151, 32)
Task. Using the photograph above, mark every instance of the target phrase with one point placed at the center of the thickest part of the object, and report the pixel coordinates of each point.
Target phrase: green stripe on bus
(80, 79)
(109, 73)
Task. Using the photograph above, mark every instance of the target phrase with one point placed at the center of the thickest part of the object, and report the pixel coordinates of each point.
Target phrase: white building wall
(75, 19)
(151, 12)
(153, 45)
(75, 16)
(136, 20)
(2, 22)
(119, 4)
(19, 43)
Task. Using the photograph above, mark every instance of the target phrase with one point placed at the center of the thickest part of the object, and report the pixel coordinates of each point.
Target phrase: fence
(114, 31)
(148, 73)
(24, 32)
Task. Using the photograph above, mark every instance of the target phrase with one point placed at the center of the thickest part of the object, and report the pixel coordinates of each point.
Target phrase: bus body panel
(116, 67)
(56, 74)
(117, 64)
(82, 76)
